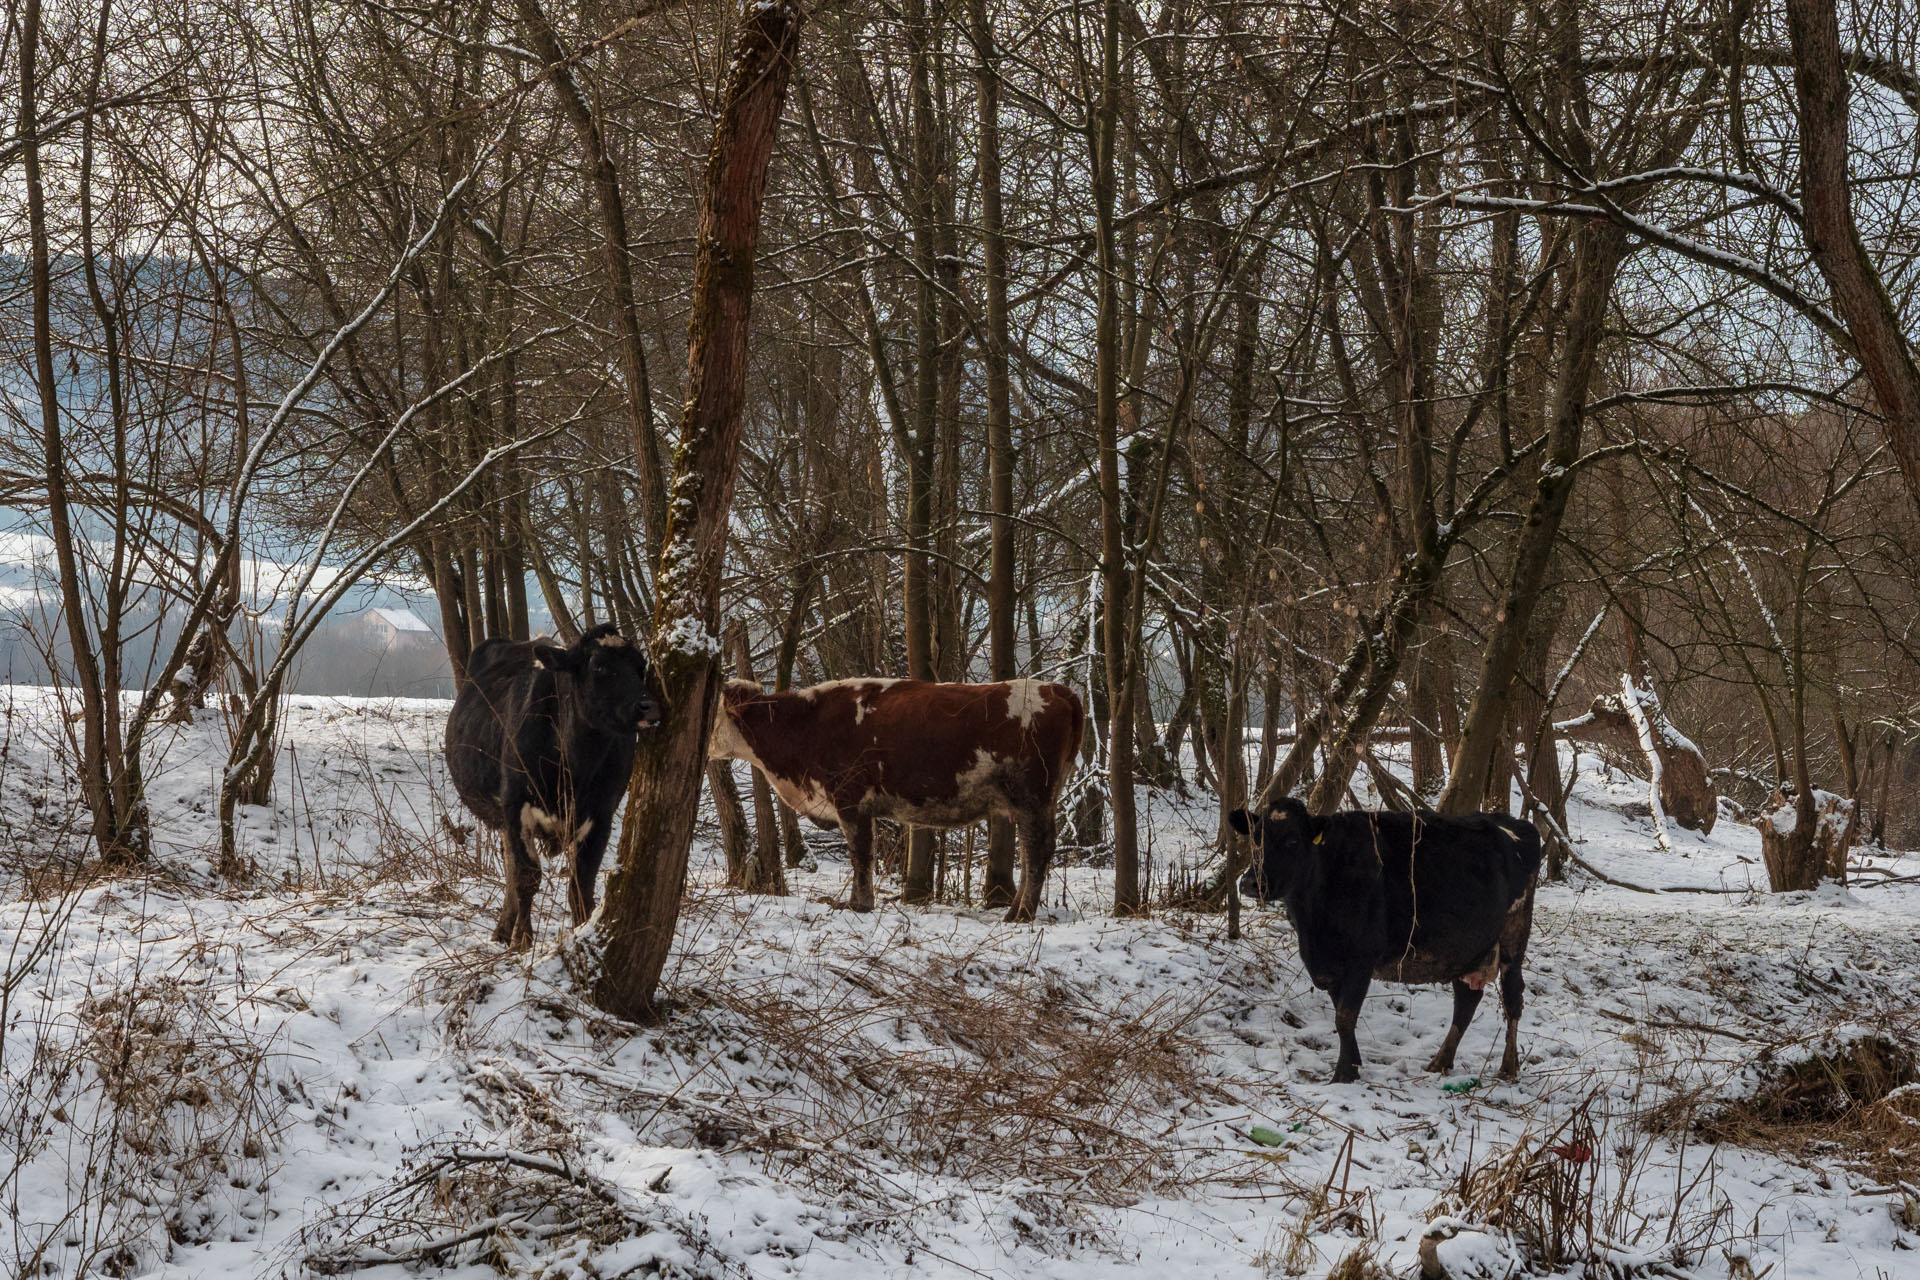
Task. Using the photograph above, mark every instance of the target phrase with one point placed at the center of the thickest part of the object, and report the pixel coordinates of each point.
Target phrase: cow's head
(737, 698)
(1283, 834)
(611, 674)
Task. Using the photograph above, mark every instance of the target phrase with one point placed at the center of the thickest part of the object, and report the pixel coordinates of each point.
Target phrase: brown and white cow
(933, 755)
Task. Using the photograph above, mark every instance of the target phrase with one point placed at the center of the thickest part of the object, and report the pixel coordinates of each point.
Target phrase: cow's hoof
(1018, 914)
(1509, 1071)
(1346, 1073)
(854, 904)
(503, 932)
(1440, 1064)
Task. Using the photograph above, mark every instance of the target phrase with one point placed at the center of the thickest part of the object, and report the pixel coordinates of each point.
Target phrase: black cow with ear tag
(1403, 897)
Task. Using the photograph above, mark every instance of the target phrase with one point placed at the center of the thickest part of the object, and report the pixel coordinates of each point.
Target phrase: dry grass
(1857, 1103)
(1361, 1263)
(193, 1106)
(993, 1078)
(1578, 1194)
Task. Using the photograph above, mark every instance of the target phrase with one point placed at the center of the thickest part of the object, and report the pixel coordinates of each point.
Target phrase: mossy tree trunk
(621, 952)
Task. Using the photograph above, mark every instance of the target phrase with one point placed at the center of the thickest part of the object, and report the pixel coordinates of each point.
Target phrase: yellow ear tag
(1321, 838)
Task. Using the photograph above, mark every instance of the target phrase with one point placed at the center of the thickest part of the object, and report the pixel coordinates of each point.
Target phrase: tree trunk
(116, 835)
(622, 950)
(919, 445)
(1597, 252)
(1002, 660)
(1113, 563)
(1427, 747)
(792, 842)
(767, 874)
(736, 846)
(1805, 838)
(1684, 789)
(1879, 339)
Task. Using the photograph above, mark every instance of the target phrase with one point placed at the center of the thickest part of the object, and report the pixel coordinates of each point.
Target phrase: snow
(336, 1066)
(689, 635)
(1634, 698)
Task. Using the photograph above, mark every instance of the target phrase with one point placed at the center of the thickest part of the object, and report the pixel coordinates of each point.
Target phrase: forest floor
(335, 1070)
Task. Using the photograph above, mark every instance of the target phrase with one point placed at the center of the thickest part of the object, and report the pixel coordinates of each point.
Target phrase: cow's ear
(1237, 819)
(554, 658)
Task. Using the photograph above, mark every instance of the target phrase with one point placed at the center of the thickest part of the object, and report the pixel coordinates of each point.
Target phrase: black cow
(540, 744)
(1403, 897)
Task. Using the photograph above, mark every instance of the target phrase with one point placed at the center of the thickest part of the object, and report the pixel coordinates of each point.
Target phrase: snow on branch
(1630, 697)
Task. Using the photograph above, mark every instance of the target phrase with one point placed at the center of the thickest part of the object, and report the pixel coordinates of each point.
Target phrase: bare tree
(620, 955)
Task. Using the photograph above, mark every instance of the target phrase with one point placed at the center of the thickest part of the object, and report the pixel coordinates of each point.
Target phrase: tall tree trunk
(1113, 562)
(1427, 745)
(792, 842)
(920, 446)
(767, 873)
(95, 783)
(736, 842)
(622, 950)
(1879, 339)
(1597, 251)
(120, 759)
(1002, 658)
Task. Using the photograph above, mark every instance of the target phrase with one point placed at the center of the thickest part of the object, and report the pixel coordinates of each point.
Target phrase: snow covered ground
(335, 1070)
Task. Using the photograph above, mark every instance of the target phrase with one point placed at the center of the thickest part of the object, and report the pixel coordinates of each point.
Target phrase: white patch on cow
(982, 768)
(809, 800)
(861, 684)
(861, 709)
(970, 788)
(536, 823)
(614, 642)
(1511, 835)
(1024, 701)
(976, 793)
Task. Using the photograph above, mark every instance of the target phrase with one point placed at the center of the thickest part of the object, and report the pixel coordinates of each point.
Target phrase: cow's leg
(1465, 1000)
(592, 846)
(1349, 993)
(1036, 854)
(515, 926)
(1513, 990)
(858, 829)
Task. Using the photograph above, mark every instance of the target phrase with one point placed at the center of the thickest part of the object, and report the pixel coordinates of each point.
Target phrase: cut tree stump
(1798, 855)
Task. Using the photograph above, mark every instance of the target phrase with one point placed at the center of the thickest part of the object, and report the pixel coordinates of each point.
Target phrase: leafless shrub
(1857, 1102)
(1573, 1194)
(141, 1119)
(450, 1203)
(44, 824)
(392, 800)
(194, 1104)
